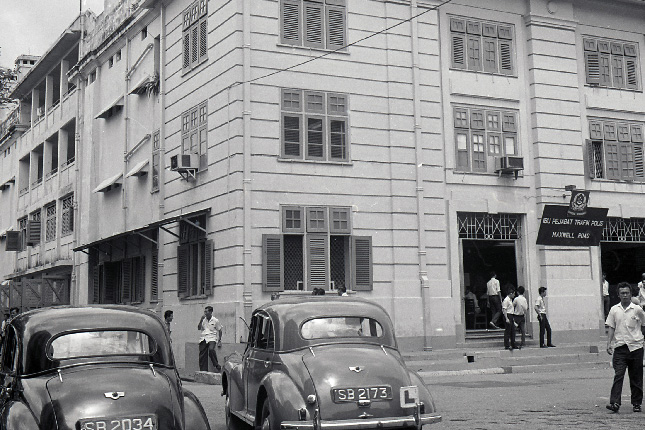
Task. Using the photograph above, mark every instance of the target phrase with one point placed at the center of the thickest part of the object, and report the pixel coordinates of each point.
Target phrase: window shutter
(34, 231)
(338, 139)
(610, 130)
(592, 68)
(313, 20)
(604, 69)
(186, 48)
(13, 241)
(290, 17)
(591, 164)
(203, 147)
(317, 264)
(612, 166)
(203, 39)
(292, 136)
(461, 145)
(618, 71)
(490, 55)
(111, 276)
(623, 133)
(595, 130)
(182, 271)
(478, 145)
(637, 133)
(208, 267)
(626, 161)
(639, 168)
(126, 281)
(315, 137)
(336, 28)
(96, 281)
(631, 70)
(458, 25)
(154, 275)
(272, 263)
(362, 263)
(458, 50)
(506, 57)
(474, 53)
(194, 45)
(590, 45)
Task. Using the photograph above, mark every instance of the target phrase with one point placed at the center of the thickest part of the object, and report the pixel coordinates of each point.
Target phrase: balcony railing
(36, 183)
(65, 164)
(9, 124)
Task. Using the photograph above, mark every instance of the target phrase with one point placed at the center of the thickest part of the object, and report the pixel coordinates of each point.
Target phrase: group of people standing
(514, 309)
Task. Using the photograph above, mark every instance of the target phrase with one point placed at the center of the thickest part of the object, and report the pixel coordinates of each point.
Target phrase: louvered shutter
(292, 135)
(362, 278)
(490, 55)
(336, 27)
(126, 281)
(208, 267)
(186, 41)
(458, 45)
(591, 162)
(111, 277)
(96, 283)
(203, 39)
(639, 168)
(592, 68)
(182, 271)
(631, 71)
(290, 22)
(34, 231)
(141, 280)
(154, 275)
(313, 20)
(13, 241)
(272, 263)
(474, 53)
(317, 261)
(506, 57)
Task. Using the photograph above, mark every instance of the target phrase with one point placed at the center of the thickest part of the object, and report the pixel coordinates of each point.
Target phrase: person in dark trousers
(625, 343)
(605, 294)
(521, 307)
(211, 335)
(509, 313)
(494, 300)
(540, 308)
(168, 317)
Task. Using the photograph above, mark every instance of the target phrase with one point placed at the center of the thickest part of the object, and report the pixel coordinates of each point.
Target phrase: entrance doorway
(622, 262)
(480, 257)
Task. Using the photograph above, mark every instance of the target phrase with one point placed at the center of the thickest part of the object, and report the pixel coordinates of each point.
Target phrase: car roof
(36, 327)
(290, 312)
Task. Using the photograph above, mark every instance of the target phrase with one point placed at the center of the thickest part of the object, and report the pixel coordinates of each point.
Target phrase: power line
(342, 47)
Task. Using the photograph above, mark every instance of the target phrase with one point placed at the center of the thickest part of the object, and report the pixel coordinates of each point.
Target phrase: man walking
(521, 306)
(509, 314)
(494, 299)
(540, 308)
(625, 342)
(211, 335)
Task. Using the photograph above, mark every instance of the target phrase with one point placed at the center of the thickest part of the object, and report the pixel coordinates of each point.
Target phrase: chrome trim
(360, 424)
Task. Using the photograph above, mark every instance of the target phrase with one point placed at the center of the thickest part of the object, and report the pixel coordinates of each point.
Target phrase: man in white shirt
(625, 342)
(540, 308)
(605, 294)
(641, 291)
(211, 335)
(521, 306)
(509, 313)
(494, 300)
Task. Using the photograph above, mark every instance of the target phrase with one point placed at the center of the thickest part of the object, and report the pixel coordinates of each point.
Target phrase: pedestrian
(342, 291)
(494, 300)
(13, 312)
(211, 335)
(605, 294)
(625, 343)
(540, 308)
(521, 307)
(469, 295)
(168, 317)
(641, 292)
(509, 327)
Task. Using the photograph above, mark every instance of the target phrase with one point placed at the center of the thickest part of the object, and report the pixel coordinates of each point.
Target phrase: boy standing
(211, 335)
(509, 328)
(521, 307)
(540, 308)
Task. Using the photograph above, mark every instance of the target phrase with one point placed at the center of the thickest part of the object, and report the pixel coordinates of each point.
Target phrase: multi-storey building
(402, 149)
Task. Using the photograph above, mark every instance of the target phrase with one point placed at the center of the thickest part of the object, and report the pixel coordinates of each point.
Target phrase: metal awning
(3, 232)
(141, 230)
(108, 184)
(5, 184)
(139, 169)
(110, 109)
(140, 87)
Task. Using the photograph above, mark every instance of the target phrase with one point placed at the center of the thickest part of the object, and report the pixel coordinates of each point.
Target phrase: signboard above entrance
(561, 226)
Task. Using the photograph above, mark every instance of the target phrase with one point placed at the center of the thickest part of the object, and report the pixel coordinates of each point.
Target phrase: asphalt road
(556, 400)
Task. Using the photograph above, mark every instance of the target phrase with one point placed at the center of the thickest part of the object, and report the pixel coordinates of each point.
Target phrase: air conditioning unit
(183, 162)
(509, 164)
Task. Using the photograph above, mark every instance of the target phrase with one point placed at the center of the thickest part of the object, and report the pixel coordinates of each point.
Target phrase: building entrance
(622, 262)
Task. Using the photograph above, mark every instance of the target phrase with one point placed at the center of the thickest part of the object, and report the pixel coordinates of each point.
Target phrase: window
(22, 228)
(156, 159)
(194, 133)
(263, 334)
(144, 32)
(92, 77)
(615, 150)
(482, 46)
(481, 135)
(194, 259)
(316, 250)
(34, 228)
(50, 229)
(314, 125)
(110, 62)
(117, 56)
(332, 327)
(611, 64)
(195, 35)
(67, 216)
(313, 23)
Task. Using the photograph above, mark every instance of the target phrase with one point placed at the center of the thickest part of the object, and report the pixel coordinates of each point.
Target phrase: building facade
(401, 149)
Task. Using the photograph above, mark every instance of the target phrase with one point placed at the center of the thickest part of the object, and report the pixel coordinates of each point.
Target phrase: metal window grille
(67, 217)
(293, 264)
(50, 232)
(480, 225)
(597, 158)
(624, 230)
(337, 260)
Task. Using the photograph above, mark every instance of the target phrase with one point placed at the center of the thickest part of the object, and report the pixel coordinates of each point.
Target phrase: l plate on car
(138, 422)
(355, 394)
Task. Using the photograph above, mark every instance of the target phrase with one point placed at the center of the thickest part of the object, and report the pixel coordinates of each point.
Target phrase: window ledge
(491, 174)
(196, 297)
(300, 160)
(605, 87)
(186, 72)
(312, 49)
(481, 72)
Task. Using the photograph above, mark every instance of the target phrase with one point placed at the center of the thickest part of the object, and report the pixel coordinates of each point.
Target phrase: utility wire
(343, 47)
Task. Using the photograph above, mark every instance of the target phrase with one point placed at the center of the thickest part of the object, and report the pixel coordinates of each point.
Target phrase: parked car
(321, 362)
(92, 368)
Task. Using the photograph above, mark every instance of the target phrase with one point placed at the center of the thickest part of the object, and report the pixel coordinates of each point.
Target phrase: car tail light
(302, 414)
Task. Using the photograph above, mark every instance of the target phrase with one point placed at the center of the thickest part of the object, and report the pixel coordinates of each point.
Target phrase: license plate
(382, 392)
(139, 422)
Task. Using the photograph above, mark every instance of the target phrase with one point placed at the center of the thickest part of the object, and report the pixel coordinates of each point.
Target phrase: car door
(259, 361)
(8, 364)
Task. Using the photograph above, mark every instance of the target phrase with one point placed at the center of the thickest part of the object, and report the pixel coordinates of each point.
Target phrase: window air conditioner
(509, 164)
(183, 162)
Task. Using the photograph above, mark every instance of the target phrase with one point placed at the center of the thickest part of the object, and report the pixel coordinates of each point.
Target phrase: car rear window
(333, 327)
(101, 343)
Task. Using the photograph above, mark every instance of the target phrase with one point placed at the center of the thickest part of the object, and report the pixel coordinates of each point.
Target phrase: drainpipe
(247, 294)
(74, 288)
(161, 194)
(418, 162)
(124, 201)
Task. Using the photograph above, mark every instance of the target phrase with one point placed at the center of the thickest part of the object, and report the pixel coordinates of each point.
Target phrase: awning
(111, 109)
(140, 87)
(153, 225)
(5, 184)
(108, 184)
(139, 169)
(3, 232)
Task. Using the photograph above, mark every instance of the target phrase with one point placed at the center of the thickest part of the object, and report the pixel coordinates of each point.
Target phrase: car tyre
(265, 417)
(232, 422)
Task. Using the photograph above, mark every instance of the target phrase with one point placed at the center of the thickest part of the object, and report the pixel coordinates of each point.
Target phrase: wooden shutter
(313, 21)
(336, 27)
(317, 261)
(595, 130)
(154, 275)
(474, 53)
(203, 39)
(140, 280)
(126, 281)
(462, 149)
(13, 241)
(272, 263)
(458, 45)
(639, 168)
(478, 145)
(292, 135)
(290, 22)
(506, 57)
(604, 69)
(111, 277)
(362, 277)
(631, 71)
(626, 160)
(637, 133)
(592, 68)
(208, 267)
(618, 71)
(182, 270)
(612, 166)
(96, 281)
(490, 55)
(591, 162)
(34, 231)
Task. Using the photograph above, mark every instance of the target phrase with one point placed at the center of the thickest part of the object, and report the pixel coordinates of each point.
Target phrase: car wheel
(232, 422)
(265, 417)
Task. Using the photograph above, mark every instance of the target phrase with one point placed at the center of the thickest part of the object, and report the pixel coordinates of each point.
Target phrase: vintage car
(92, 368)
(321, 362)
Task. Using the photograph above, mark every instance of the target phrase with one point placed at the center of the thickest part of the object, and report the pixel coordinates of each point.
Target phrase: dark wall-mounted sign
(560, 227)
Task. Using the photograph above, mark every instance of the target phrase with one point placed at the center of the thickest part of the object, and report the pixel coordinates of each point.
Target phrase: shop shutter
(317, 261)
(313, 20)
(458, 42)
(13, 241)
(126, 281)
(631, 70)
(490, 55)
(474, 53)
(362, 272)
(182, 271)
(34, 232)
(592, 68)
(506, 57)
(290, 17)
(336, 28)
(208, 267)
(154, 275)
(272, 263)
(591, 164)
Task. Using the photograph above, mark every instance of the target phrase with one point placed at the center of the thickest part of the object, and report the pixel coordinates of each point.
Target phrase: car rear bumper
(363, 424)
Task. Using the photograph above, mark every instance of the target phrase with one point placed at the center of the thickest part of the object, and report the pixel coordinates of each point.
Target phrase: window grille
(480, 225)
(50, 232)
(624, 230)
(67, 216)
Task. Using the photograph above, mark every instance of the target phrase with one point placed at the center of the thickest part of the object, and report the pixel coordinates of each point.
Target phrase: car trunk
(82, 395)
(354, 367)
